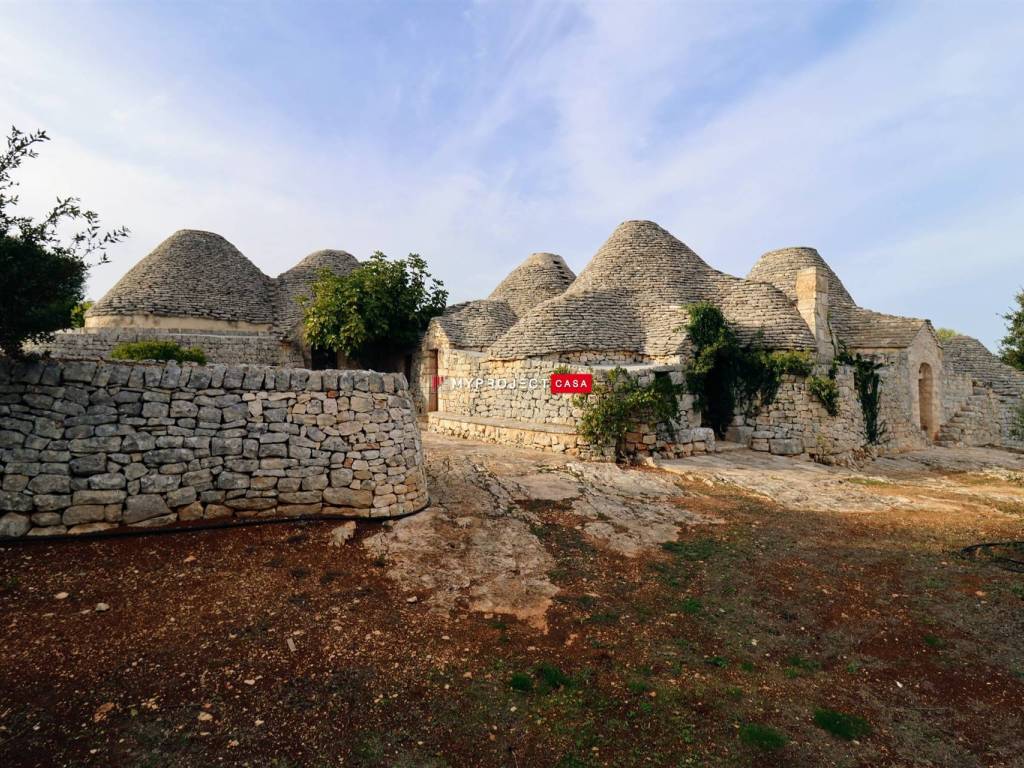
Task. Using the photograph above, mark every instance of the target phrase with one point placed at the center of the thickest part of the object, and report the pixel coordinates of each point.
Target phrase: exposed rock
(342, 533)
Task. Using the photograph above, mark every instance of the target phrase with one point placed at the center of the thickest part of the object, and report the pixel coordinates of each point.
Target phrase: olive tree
(43, 268)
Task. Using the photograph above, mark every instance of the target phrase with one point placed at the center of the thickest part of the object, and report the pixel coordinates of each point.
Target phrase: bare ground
(543, 612)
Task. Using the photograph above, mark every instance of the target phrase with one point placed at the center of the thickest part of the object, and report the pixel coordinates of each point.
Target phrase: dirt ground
(730, 610)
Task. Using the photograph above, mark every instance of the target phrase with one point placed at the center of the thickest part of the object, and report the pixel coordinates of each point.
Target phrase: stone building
(483, 367)
(197, 289)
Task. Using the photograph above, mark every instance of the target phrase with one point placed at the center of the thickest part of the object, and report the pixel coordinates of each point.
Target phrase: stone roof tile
(192, 274)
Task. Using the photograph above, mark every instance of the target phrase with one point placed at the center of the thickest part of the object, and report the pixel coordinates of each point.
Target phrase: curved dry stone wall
(89, 446)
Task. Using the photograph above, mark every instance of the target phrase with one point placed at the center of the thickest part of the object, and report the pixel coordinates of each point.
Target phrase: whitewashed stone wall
(88, 446)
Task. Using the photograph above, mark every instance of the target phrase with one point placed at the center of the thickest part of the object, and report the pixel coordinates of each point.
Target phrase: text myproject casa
(560, 383)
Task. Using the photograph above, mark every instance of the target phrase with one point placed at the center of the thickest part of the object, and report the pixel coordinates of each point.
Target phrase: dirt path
(543, 612)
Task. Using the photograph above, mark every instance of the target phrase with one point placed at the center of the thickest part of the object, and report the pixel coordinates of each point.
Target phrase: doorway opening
(430, 379)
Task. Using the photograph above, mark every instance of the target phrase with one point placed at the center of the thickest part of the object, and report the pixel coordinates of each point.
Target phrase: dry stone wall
(88, 446)
(796, 422)
(229, 348)
(511, 402)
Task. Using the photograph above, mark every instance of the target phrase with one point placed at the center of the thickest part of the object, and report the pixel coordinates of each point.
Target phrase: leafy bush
(945, 334)
(44, 271)
(377, 310)
(762, 737)
(847, 727)
(793, 363)
(826, 391)
(521, 682)
(157, 350)
(619, 403)
(78, 313)
(725, 374)
(1012, 347)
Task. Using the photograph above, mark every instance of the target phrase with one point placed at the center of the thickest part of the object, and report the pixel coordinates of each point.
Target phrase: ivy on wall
(726, 375)
(869, 391)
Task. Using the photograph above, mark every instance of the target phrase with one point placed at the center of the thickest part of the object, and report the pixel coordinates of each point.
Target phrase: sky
(887, 135)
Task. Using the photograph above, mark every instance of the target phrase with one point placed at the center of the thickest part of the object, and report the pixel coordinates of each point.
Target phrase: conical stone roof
(967, 355)
(854, 326)
(631, 298)
(297, 283)
(539, 278)
(192, 274)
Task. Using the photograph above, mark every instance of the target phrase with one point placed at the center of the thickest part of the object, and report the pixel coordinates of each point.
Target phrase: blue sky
(887, 135)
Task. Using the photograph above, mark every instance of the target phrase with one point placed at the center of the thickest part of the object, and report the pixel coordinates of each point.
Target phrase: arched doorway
(925, 399)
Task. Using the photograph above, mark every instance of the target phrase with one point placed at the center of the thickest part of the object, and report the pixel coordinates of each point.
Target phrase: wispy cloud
(887, 136)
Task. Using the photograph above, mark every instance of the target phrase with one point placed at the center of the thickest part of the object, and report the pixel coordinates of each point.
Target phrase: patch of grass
(848, 727)
(717, 661)
(934, 642)
(696, 551)
(639, 686)
(762, 737)
(691, 606)
(607, 617)
(797, 666)
(522, 682)
(552, 678)
(369, 749)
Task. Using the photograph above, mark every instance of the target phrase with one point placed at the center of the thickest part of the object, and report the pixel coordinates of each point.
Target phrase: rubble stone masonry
(87, 446)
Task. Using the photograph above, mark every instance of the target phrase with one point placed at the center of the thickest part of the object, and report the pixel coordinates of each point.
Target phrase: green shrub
(158, 350)
(521, 682)
(378, 309)
(945, 334)
(826, 391)
(551, 677)
(620, 402)
(762, 737)
(793, 363)
(848, 727)
(725, 374)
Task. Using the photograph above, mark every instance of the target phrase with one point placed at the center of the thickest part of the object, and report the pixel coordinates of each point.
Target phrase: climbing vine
(726, 375)
(868, 385)
(1017, 425)
(825, 389)
(620, 402)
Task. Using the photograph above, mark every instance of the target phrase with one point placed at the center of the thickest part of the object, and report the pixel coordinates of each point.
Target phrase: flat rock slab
(935, 478)
(475, 548)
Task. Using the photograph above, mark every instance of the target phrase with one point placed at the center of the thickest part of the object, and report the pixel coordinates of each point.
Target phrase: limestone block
(788, 446)
(13, 525)
(144, 507)
(347, 497)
